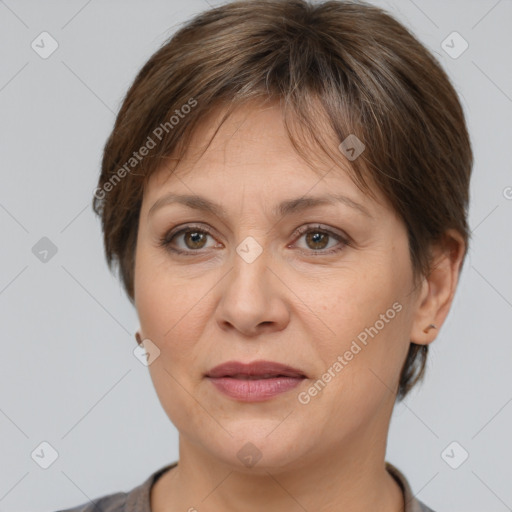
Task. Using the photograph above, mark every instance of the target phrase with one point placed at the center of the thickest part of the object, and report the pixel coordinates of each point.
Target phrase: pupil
(196, 237)
(317, 238)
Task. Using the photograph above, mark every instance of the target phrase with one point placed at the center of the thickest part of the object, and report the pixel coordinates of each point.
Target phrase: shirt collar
(138, 500)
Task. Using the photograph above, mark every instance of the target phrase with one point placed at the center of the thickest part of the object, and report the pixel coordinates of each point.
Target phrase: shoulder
(136, 500)
(109, 503)
(423, 507)
(412, 504)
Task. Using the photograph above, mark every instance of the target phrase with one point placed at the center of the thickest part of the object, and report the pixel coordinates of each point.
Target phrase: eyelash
(167, 239)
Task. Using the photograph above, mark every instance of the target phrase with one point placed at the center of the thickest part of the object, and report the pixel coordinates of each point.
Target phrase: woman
(285, 191)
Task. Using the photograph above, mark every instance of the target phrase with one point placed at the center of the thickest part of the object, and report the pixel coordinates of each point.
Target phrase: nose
(253, 298)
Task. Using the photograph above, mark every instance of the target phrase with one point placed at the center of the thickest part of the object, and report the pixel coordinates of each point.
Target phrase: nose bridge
(250, 270)
(249, 250)
(251, 296)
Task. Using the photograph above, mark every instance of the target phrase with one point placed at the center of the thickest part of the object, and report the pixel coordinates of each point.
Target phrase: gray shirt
(138, 499)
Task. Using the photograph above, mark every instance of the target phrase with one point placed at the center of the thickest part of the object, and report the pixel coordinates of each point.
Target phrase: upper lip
(255, 368)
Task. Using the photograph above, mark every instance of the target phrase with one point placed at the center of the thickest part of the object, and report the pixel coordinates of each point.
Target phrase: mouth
(254, 382)
(242, 376)
(254, 371)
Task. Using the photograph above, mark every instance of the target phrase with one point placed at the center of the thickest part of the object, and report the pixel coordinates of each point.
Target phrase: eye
(194, 238)
(317, 239)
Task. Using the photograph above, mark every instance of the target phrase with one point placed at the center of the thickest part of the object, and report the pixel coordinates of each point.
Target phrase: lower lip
(255, 390)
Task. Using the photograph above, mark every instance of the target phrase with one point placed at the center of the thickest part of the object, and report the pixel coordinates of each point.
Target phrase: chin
(257, 446)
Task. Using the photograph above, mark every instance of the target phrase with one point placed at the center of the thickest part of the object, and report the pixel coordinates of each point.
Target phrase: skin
(293, 304)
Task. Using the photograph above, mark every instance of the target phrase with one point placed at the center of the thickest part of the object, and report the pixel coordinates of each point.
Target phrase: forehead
(254, 130)
(253, 148)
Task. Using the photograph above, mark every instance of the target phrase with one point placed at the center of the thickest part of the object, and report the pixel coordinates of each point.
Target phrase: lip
(254, 369)
(256, 381)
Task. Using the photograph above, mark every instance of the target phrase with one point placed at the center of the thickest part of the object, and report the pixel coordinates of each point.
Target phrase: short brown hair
(349, 63)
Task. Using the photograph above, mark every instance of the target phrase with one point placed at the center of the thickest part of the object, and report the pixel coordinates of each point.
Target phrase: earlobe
(431, 326)
(438, 288)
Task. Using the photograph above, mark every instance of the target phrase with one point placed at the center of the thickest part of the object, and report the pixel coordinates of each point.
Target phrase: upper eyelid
(188, 227)
(298, 232)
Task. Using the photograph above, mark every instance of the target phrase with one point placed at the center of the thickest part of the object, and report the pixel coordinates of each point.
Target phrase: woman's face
(324, 288)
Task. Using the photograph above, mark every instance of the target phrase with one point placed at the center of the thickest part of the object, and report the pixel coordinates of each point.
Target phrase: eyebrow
(285, 208)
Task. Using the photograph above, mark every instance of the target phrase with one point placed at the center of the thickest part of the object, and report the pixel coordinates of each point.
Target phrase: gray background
(68, 375)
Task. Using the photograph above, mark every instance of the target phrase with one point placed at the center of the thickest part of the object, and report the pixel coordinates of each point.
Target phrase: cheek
(361, 365)
(351, 304)
(368, 316)
(168, 311)
(168, 307)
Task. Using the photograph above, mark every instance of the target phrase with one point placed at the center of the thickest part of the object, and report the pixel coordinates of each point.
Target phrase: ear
(438, 288)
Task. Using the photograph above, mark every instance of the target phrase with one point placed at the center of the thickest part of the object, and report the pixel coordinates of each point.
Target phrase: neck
(351, 477)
